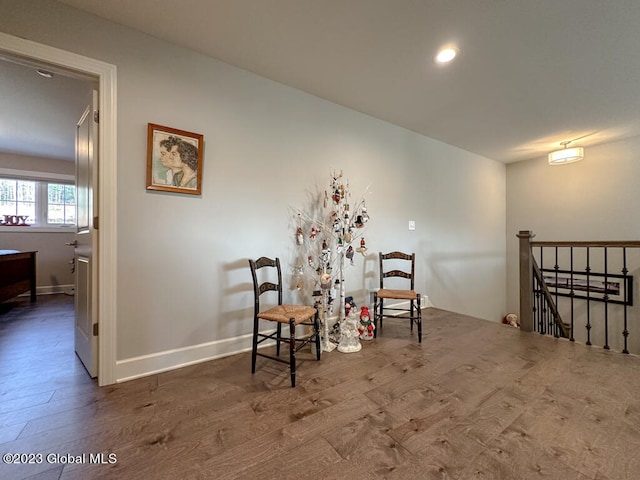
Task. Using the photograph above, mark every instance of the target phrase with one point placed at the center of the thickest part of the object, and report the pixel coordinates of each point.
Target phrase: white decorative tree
(325, 234)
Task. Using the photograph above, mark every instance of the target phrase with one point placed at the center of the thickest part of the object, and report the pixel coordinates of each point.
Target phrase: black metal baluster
(534, 301)
(588, 270)
(556, 327)
(625, 332)
(539, 321)
(543, 303)
(572, 295)
(606, 300)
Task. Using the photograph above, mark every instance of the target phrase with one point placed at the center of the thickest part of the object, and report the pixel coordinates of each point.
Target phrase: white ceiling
(530, 74)
(38, 115)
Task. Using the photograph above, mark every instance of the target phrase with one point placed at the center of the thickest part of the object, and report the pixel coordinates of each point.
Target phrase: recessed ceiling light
(44, 73)
(446, 55)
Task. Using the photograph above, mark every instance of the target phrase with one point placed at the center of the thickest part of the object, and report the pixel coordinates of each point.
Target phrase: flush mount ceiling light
(446, 54)
(566, 155)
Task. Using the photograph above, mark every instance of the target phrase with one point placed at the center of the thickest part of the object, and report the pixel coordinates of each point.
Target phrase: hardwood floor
(477, 400)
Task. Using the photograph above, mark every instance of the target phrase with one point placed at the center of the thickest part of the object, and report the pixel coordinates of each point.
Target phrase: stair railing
(546, 318)
(589, 284)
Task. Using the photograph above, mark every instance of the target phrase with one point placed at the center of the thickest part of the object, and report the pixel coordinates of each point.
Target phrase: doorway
(103, 290)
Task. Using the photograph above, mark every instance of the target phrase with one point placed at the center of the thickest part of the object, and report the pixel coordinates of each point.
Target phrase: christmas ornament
(365, 215)
(349, 254)
(362, 248)
(325, 281)
(348, 305)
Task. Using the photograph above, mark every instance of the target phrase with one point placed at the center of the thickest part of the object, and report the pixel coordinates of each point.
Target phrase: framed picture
(174, 160)
(613, 288)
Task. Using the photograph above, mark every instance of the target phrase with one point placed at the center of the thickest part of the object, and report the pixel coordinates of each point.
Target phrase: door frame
(107, 201)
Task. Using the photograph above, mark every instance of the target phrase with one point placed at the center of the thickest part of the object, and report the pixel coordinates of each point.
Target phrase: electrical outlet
(412, 224)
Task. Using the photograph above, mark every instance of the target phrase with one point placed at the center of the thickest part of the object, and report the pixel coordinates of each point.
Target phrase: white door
(86, 328)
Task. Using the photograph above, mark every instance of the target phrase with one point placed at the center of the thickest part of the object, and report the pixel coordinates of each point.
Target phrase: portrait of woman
(185, 158)
(174, 160)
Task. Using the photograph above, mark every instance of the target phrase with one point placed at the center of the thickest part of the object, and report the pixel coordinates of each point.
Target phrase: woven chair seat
(284, 313)
(397, 294)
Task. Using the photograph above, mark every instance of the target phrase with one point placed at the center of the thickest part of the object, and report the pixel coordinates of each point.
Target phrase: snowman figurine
(366, 326)
(349, 341)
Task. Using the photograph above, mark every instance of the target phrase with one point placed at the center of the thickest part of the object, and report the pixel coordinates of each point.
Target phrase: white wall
(183, 278)
(595, 199)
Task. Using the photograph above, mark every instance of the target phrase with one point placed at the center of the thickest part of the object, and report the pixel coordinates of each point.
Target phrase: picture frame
(174, 160)
(612, 288)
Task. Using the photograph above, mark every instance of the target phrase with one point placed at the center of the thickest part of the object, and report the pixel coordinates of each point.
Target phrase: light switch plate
(412, 224)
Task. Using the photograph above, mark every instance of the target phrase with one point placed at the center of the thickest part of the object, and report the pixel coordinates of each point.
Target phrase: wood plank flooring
(477, 400)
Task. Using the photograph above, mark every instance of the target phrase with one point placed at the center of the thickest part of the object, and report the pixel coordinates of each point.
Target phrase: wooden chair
(395, 264)
(280, 314)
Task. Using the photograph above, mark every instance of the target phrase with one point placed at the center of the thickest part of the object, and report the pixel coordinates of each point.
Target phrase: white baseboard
(181, 357)
(50, 290)
(145, 365)
(53, 289)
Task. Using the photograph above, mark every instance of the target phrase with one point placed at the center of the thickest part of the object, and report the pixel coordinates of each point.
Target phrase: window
(43, 203)
(18, 197)
(61, 204)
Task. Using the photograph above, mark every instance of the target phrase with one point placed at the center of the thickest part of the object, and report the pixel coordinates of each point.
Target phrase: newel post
(526, 280)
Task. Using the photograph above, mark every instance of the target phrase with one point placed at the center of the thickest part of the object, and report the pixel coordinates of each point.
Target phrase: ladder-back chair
(270, 280)
(400, 265)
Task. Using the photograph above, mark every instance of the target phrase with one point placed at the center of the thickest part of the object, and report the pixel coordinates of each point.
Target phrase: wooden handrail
(608, 243)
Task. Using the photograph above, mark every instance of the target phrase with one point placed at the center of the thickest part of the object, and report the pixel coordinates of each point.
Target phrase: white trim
(55, 289)
(33, 229)
(44, 176)
(50, 290)
(145, 365)
(107, 187)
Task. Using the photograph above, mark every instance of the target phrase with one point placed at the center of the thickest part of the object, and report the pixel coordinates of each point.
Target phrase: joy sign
(14, 220)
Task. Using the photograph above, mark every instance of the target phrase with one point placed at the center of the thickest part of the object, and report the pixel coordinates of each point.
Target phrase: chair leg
(316, 331)
(412, 315)
(419, 319)
(292, 350)
(278, 335)
(375, 315)
(254, 349)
